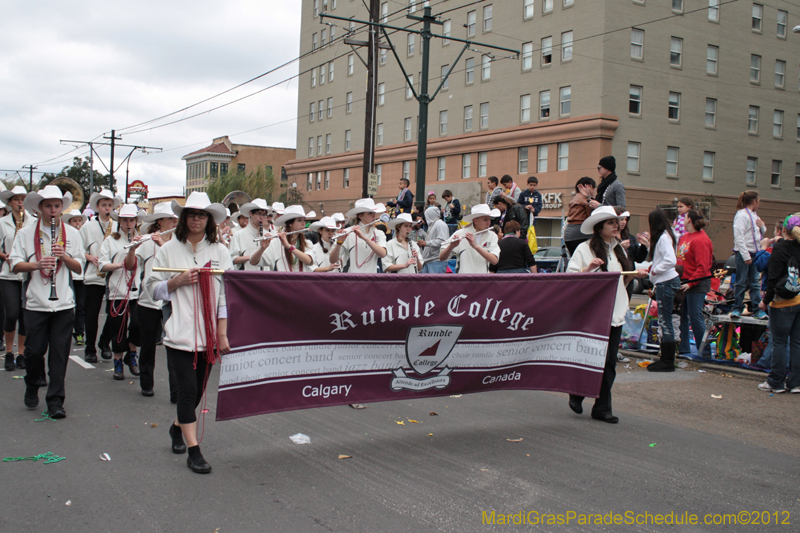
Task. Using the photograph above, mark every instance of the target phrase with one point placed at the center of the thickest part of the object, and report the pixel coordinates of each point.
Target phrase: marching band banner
(302, 340)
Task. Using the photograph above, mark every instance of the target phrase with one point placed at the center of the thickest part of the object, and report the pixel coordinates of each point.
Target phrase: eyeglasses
(259, 212)
(201, 215)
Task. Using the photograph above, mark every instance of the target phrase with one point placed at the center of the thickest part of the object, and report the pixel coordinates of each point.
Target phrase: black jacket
(518, 213)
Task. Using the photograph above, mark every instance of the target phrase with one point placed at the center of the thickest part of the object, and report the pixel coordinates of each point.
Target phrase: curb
(708, 367)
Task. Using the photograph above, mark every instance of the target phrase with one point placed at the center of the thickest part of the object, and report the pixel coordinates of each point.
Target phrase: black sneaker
(196, 462)
(175, 433)
(10, 365)
(56, 412)
(21, 362)
(119, 370)
(31, 398)
(90, 357)
(132, 362)
(106, 353)
(148, 392)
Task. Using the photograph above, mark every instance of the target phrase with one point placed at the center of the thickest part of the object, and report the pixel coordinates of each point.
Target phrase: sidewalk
(694, 365)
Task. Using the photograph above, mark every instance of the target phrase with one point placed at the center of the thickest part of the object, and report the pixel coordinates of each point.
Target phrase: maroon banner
(303, 340)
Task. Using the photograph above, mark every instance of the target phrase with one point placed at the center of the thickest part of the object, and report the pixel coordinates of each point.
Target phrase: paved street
(738, 453)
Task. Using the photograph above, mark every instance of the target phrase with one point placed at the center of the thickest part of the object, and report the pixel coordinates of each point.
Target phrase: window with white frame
(314, 41)
(330, 71)
(522, 159)
(634, 149)
(527, 9)
(320, 110)
(407, 170)
(348, 106)
(547, 6)
(324, 39)
(446, 32)
(712, 59)
(635, 100)
(351, 25)
(486, 67)
(563, 156)
(407, 129)
(637, 44)
(446, 83)
(381, 94)
(313, 78)
(758, 15)
(783, 16)
(327, 179)
(347, 138)
(711, 112)
(379, 134)
(310, 183)
(471, 18)
(484, 116)
(547, 50)
(674, 106)
(780, 73)
(482, 158)
(468, 118)
(410, 40)
(525, 108)
(466, 163)
(328, 143)
(752, 119)
(333, 33)
(382, 56)
(330, 107)
(409, 84)
(675, 51)
(487, 18)
(566, 46)
(677, 6)
(672, 160)
(527, 56)
(312, 111)
(443, 122)
(569, 3)
(708, 166)
(469, 71)
(323, 72)
(755, 68)
(776, 173)
(777, 123)
(346, 179)
(565, 100)
(316, 8)
(440, 168)
(541, 156)
(750, 176)
(379, 173)
(311, 147)
(319, 144)
(713, 10)
(412, 6)
(544, 104)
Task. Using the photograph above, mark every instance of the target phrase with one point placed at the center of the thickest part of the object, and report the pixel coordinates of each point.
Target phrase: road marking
(81, 362)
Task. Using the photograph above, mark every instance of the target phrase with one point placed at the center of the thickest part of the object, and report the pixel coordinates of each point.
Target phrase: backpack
(788, 286)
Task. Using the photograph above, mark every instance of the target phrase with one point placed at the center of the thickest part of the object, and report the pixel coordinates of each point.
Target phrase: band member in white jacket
(49, 305)
(402, 255)
(198, 299)
(363, 247)
(475, 246)
(289, 251)
(243, 243)
(326, 226)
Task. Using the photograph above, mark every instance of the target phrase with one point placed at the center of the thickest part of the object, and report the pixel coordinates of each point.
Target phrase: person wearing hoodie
(611, 191)
(438, 232)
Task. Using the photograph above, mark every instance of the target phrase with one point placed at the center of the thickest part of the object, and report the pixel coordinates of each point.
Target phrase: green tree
(81, 173)
(256, 184)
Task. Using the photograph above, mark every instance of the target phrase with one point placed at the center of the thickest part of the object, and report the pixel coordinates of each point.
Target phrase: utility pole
(372, 84)
(31, 168)
(111, 167)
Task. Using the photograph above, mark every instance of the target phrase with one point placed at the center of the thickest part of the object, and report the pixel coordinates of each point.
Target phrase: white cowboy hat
(323, 223)
(201, 202)
(625, 214)
(50, 192)
(255, 205)
(481, 210)
(7, 195)
(129, 211)
(366, 205)
(161, 210)
(278, 208)
(402, 218)
(292, 212)
(234, 221)
(66, 217)
(604, 212)
(338, 217)
(227, 213)
(104, 194)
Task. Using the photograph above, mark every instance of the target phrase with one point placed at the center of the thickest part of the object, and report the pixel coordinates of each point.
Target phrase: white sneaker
(767, 388)
(622, 359)
(795, 390)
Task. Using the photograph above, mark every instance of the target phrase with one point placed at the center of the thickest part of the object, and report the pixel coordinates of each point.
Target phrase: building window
(633, 156)
(527, 56)
(384, 12)
(637, 44)
(776, 173)
(410, 41)
(713, 10)
(527, 9)
(752, 164)
(446, 32)
(328, 143)
(712, 59)
(407, 170)
(324, 39)
(708, 166)
(316, 8)
(445, 78)
(752, 120)
(541, 165)
(758, 14)
(563, 156)
(468, 118)
(797, 175)
(310, 183)
(782, 21)
(379, 172)
(407, 129)
(470, 71)
(443, 122)
(466, 162)
(565, 100)
(755, 69)
(319, 144)
(223, 169)
(547, 50)
(487, 18)
(382, 56)
(486, 67)
(525, 108)
(314, 41)
(322, 73)
(350, 64)
(320, 110)
(313, 78)
(635, 100)
(711, 112)
(482, 157)
(379, 134)
(675, 51)
(544, 104)
(440, 169)
(777, 123)
(780, 73)
(318, 183)
(381, 93)
(348, 106)
(347, 138)
(330, 107)
(798, 127)
(569, 3)
(522, 158)
(346, 178)
(547, 6)
(566, 46)
(409, 85)
(330, 71)
(311, 147)
(471, 17)
(672, 161)
(312, 111)
(327, 179)
(484, 117)
(674, 106)
(677, 6)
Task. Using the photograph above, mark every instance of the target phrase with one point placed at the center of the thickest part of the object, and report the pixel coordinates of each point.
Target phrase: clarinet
(53, 242)
(260, 229)
(134, 288)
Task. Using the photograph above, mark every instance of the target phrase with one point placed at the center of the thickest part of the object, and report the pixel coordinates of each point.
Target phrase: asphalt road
(676, 449)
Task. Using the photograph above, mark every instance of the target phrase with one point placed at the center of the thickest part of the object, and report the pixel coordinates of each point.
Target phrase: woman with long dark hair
(695, 253)
(602, 252)
(666, 281)
(326, 226)
(634, 251)
(579, 210)
(289, 252)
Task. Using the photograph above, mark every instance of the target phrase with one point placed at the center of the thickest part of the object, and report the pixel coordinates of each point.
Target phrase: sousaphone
(237, 198)
(71, 186)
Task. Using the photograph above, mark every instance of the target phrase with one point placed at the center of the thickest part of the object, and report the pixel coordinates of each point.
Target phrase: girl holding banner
(361, 246)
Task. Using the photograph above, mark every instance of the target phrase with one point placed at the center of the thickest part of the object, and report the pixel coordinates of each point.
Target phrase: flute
(146, 238)
(347, 231)
(456, 239)
(134, 288)
(181, 270)
(53, 242)
(271, 236)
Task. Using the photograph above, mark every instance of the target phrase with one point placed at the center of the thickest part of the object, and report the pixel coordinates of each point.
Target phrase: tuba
(237, 198)
(71, 186)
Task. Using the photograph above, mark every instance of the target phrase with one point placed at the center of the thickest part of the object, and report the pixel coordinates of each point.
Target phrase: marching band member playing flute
(123, 289)
(475, 247)
(242, 245)
(48, 259)
(361, 249)
(326, 226)
(290, 251)
(196, 333)
(402, 255)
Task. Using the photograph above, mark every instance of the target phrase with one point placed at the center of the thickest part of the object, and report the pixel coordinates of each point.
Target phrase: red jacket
(694, 253)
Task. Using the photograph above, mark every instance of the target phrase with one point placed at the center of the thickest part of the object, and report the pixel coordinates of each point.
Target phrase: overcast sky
(75, 70)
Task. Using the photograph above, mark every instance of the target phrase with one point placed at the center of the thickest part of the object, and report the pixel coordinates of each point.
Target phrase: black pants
(50, 333)
(190, 381)
(603, 403)
(11, 292)
(124, 329)
(80, 307)
(93, 302)
(150, 326)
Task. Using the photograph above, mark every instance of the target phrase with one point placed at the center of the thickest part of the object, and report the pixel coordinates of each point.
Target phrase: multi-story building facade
(693, 98)
(222, 157)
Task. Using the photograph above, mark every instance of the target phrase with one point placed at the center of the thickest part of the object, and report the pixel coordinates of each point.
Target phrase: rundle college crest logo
(427, 347)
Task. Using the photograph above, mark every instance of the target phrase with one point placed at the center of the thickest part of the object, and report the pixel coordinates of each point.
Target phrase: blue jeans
(692, 313)
(784, 326)
(746, 278)
(434, 267)
(665, 296)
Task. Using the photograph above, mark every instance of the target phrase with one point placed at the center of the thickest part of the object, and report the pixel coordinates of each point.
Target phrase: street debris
(400, 423)
(299, 438)
(345, 456)
(716, 397)
(414, 421)
(430, 434)
(701, 371)
(69, 502)
(514, 440)
(105, 457)
(358, 406)
(644, 364)
(155, 425)
(18, 377)
(683, 364)
(432, 413)
(455, 396)
(652, 444)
